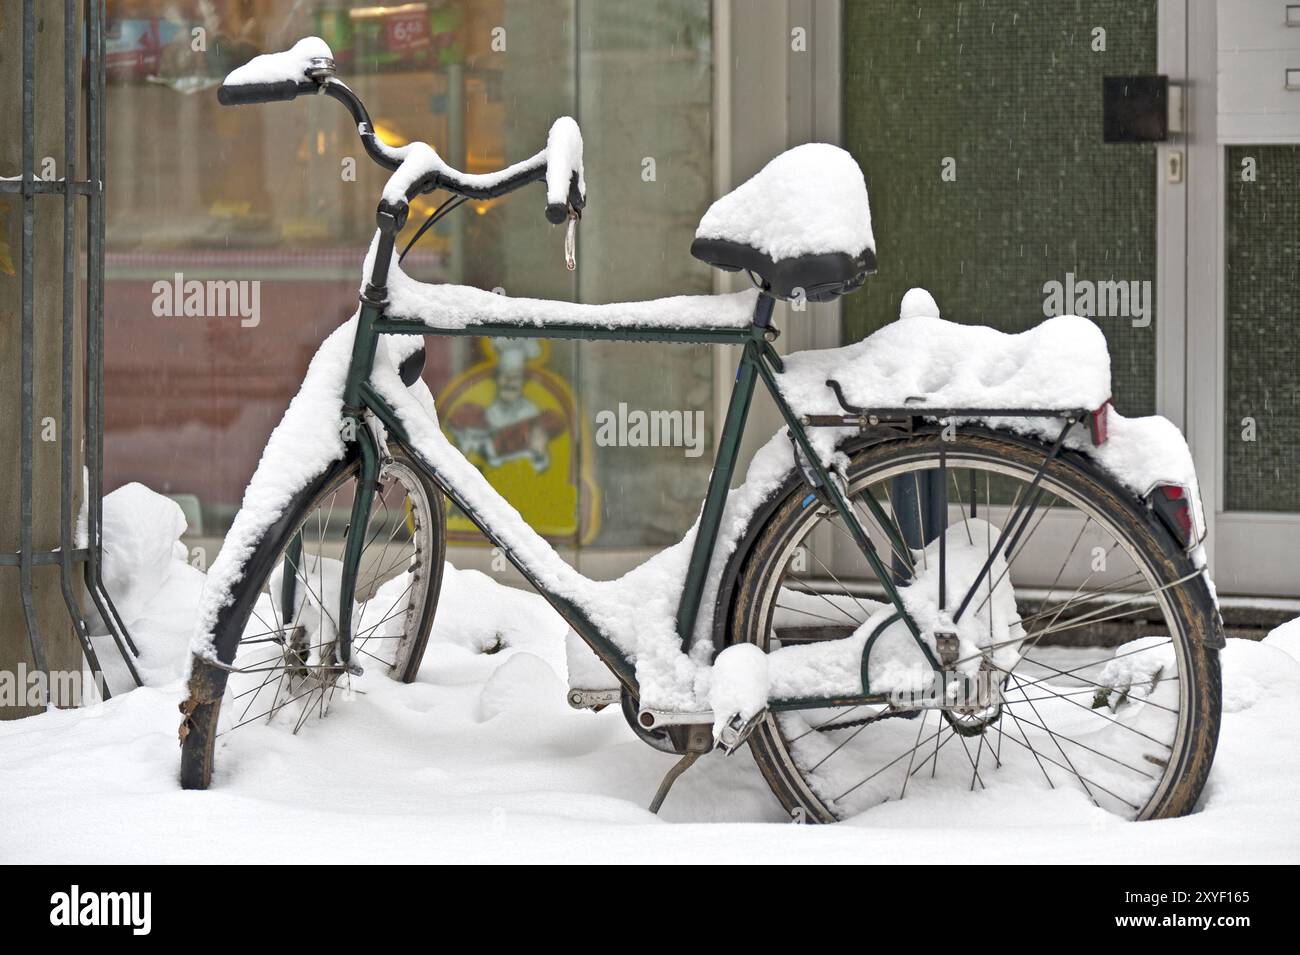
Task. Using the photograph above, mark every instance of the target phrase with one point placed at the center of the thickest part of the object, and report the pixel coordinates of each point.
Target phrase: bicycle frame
(758, 361)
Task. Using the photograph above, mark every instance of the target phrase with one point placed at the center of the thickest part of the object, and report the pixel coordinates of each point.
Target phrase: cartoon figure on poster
(511, 426)
(517, 420)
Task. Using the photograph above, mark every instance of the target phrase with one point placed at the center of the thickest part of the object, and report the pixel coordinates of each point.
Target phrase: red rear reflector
(1173, 505)
(1098, 423)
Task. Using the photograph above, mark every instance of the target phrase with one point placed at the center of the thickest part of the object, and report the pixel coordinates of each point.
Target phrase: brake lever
(571, 240)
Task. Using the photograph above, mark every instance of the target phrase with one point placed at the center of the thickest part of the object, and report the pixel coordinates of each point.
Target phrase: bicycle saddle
(801, 226)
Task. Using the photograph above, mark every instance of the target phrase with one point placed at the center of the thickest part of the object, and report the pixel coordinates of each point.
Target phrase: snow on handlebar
(566, 186)
(308, 67)
(274, 77)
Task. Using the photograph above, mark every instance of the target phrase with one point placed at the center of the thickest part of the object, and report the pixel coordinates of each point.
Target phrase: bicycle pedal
(734, 734)
(594, 699)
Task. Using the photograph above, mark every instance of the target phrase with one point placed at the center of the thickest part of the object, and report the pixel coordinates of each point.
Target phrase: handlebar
(273, 92)
(308, 67)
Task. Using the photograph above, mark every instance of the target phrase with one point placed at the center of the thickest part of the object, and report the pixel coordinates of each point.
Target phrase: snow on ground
(481, 759)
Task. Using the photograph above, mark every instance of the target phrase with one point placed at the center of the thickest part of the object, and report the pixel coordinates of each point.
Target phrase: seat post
(715, 499)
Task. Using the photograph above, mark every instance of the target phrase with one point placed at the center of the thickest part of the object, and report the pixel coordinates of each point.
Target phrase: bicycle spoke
(813, 592)
(865, 613)
(806, 613)
(1109, 719)
(916, 744)
(893, 519)
(1012, 559)
(975, 775)
(896, 759)
(1092, 782)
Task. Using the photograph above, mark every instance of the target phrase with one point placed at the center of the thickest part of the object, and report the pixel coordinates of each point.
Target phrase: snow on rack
(1062, 363)
(291, 64)
(906, 355)
(808, 200)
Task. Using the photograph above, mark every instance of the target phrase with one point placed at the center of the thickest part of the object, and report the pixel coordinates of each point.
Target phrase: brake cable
(448, 205)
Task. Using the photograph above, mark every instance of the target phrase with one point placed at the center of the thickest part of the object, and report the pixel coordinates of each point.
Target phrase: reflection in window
(282, 195)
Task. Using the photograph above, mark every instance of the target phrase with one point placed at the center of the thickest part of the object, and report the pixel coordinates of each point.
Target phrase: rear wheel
(280, 630)
(1094, 637)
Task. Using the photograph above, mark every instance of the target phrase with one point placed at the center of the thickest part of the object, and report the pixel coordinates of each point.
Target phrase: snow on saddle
(801, 225)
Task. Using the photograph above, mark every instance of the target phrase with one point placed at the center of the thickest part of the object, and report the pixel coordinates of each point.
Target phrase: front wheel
(1092, 635)
(279, 631)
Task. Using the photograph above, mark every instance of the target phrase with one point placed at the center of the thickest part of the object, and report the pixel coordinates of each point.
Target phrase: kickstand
(670, 777)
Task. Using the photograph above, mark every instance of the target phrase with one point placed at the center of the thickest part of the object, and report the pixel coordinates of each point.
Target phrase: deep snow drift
(482, 759)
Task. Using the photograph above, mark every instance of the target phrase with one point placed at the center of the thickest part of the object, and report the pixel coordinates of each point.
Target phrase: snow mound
(142, 543)
(1286, 638)
(479, 614)
(426, 777)
(481, 760)
(524, 682)
(808, 200)
(918, 303)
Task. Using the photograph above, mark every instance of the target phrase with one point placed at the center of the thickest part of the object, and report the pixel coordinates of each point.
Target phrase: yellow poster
(518, 422)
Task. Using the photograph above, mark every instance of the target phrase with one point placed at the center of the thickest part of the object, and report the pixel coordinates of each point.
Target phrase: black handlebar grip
(576, 198)
(557, 212)
(277, 92)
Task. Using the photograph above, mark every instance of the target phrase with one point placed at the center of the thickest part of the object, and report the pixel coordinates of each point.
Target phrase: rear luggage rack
(905, 418)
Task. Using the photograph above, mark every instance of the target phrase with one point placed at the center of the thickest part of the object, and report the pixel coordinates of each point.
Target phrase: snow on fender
(739, 685)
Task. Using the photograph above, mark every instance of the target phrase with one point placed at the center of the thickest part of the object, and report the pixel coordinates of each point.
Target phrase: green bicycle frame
(758, 361)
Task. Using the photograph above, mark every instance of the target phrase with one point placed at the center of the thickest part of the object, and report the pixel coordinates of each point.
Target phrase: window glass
(1262, 328)
(279, 200)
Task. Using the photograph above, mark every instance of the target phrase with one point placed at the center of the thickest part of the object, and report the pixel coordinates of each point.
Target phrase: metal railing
(67, 555)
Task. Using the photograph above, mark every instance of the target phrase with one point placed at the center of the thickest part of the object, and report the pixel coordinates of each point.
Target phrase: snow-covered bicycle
(1029, 604)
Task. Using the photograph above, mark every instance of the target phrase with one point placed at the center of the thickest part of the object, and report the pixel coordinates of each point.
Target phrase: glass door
(1257, 529)
(979, 130)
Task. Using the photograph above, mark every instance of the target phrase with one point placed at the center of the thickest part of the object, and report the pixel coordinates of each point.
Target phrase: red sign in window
(407, 31)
